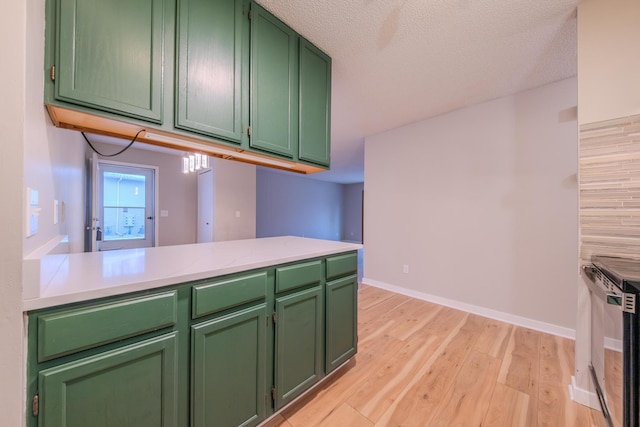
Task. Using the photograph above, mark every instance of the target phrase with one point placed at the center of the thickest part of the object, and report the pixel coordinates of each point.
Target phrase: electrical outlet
(405, 268)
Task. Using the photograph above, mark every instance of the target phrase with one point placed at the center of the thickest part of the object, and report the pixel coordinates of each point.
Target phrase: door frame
(94, 201)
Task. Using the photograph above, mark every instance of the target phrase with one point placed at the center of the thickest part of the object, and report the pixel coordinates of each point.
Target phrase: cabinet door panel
(341, 321)
(274, 84)
(134, 386)
(211, 45)
(315, 104)
(299, 343)
(110, 55)
(229, 368)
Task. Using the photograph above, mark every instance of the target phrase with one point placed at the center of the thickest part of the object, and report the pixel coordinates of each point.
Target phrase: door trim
(156, 192)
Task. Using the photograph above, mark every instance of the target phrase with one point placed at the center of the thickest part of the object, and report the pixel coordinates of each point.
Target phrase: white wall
(352, 212)
(177, 191)
(481, 204)
(608, 60)
(235, 200)
(33, 154)
(295, 205)
(53, 158)
(12, 87)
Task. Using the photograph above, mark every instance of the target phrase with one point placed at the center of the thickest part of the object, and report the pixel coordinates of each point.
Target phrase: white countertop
(85, 276)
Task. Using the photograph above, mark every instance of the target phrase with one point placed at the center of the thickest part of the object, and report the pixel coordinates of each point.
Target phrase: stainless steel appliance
(617, 281)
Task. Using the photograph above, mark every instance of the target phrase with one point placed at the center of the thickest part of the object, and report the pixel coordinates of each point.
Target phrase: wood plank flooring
(420, 364)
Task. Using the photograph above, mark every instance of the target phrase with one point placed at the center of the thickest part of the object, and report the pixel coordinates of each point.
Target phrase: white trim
(613, 344)
(481, 311)
(156, 188)
(582, 396)
(609, 343)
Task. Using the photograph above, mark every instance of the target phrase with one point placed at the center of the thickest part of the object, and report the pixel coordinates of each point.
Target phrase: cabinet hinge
(274, 317)
(248, 130)
(273, 393)
(52, 73)
(250, 14)
(35, 405)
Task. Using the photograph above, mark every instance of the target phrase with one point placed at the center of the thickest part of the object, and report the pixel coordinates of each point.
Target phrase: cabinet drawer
(74, 330)
(342, 265)
(295, 276)
(212, 297)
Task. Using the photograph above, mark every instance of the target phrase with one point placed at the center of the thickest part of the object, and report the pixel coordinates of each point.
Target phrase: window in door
(126, 211)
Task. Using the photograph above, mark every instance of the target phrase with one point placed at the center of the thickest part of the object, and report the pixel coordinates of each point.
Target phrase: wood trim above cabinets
(85, 122)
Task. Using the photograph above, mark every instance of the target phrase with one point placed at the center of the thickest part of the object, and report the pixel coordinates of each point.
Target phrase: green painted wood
(299, 343)
(315, 105)
(228, 371)
(220, 295)
(298, 275)
(109, 56)
(274, 84)
(213, 53)
(342, 265)
(341, 319)
(134, 386)
(79, 329)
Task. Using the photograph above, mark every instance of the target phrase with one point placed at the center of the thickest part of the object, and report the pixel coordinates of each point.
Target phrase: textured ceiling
(400, 61)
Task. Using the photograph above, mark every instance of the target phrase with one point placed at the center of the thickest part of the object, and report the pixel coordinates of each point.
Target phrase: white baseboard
(582, 396)
(609, 343)
(613, 344)
(480, 311)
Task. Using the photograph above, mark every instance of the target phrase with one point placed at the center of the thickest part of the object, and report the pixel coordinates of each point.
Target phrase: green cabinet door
(109, 55)
(229, 370)
(274, 84)
(213, 55)
(299, 339)
(341, 321)
(315, 105)
(133, 386)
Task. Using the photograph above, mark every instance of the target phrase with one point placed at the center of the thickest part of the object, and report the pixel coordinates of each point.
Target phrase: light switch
(164, 213)
(237, 214)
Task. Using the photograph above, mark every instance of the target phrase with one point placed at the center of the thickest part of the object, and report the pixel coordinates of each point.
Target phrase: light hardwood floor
(420, 364)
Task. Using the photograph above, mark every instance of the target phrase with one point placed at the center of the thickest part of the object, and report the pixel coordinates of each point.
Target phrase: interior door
(126, 206)
(205, 207)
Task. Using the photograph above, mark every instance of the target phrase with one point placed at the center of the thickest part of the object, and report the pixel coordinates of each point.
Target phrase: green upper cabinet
(315, 104)
(274, 84)
(212, 67)
(109, 56)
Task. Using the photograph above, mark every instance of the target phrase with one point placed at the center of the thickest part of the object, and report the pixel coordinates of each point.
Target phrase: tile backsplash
(609, 174)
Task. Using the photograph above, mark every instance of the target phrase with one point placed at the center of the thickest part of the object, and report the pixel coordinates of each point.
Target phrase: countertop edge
(63, 297)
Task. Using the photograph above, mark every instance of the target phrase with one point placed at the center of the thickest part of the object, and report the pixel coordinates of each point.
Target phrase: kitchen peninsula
(223, 333)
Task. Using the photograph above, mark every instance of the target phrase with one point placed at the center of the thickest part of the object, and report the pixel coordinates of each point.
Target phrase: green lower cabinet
(133, 386)
(341, 321)
(229, 370)
(299, 340)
